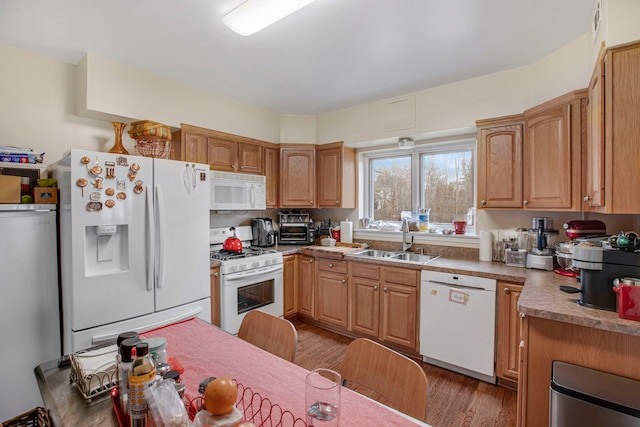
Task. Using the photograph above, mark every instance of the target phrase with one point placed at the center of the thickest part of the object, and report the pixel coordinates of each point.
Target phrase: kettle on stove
(263, 232)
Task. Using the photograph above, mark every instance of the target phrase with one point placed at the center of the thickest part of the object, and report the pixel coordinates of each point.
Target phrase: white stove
(249, 280)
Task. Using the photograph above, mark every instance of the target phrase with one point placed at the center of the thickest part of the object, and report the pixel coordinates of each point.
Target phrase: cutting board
(337, 252)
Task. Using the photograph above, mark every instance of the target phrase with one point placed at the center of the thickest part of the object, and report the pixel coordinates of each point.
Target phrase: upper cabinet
(297, 176)
(271, 162)
(553, 141)
(500, 162)
(533, 160)
(614, 136)
(221, 151)
(336, 176)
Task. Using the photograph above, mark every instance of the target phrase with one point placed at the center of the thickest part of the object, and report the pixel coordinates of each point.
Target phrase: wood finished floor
(454, 399)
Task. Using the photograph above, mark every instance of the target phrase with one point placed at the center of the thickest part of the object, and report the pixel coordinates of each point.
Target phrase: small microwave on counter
(237, 191)
(295, 229)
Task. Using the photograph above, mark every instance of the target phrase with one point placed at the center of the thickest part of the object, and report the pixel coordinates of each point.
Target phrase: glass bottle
(141, 376)
(125, 359)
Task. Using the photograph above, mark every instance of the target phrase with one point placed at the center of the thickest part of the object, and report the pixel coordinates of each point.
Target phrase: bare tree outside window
(391, 181)
(444, 183)
(447, 184)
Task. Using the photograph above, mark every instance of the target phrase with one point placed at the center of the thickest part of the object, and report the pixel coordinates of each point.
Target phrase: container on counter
(158, 350)
(141, 376)
(423, 218)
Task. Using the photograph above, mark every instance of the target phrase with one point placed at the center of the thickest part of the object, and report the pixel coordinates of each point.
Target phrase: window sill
(459, 240)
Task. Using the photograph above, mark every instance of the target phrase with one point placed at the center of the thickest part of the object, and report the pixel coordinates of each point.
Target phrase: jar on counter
(158, 350)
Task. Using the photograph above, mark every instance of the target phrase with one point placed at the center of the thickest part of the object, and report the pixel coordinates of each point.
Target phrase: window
(438, 176)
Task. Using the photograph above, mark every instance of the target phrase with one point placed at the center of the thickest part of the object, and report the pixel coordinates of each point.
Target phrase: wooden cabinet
(399, 307)
(336, 176)
(614, 135)
(534, 160)
(306, 285)
(297, 176)
(508, 333)
(594, 149)
(215, 295)
(384, 303)
(221, 151)
(365, 298)
(500, 162)
(332, 296)
(271, 172)
(553, 141)
(289, 285)
(548, 340)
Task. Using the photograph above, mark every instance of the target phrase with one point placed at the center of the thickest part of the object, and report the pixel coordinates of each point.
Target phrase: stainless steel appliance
(249, 280)
(598, 269)
(295, 229)
(457, 323)
(540, 255)
(581, 396)
(263, 233)
(237, 191)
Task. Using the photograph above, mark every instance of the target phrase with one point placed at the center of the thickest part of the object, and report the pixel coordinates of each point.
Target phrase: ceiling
(330, 55)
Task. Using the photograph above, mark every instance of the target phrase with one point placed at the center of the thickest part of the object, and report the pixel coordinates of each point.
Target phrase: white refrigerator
(134, 244)
(29, 309)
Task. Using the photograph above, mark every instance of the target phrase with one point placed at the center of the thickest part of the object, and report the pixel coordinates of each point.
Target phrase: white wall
(459, 105)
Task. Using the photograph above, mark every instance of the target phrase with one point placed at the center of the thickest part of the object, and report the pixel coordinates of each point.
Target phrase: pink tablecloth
(206, 351)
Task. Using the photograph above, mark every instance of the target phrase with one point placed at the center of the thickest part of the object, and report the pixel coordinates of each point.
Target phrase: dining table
(273, 386)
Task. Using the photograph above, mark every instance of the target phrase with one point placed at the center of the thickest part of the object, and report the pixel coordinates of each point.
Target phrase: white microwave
(237, 191)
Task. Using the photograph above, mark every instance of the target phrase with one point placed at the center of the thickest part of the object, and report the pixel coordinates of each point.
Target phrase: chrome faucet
(405, 230)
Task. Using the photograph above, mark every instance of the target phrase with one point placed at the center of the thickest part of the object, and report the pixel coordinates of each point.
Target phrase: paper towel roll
(486, 246)
(346, 231)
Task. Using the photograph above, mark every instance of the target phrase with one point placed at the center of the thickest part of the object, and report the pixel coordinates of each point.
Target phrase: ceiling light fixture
(405, 143)
(254, 15)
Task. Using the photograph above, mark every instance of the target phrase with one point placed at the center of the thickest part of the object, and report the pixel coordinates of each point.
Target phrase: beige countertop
(541, 296)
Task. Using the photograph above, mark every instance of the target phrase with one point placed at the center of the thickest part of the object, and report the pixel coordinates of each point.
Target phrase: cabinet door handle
(375, 288)
(525, 202)
(311, 260)
(507, 291)
(483, 202)
(330, 265)
(216, 274)
(385, 290)
(587, 198)
(241, 167)
(310, 202)
(344, 281)
(337, 202)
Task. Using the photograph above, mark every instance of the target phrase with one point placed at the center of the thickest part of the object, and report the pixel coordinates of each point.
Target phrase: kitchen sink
(396, 256)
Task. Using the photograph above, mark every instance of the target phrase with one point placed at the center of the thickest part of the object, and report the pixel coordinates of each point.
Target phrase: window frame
(420, 148)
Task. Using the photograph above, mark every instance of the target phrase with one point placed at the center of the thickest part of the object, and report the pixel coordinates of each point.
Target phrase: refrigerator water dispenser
(110, 246)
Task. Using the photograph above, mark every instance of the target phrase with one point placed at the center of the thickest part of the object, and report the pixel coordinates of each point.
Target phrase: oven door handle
(250, 273)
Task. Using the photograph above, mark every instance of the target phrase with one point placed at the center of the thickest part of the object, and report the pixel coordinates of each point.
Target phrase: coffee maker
(540, 255)
(263, 232)
(598, 268)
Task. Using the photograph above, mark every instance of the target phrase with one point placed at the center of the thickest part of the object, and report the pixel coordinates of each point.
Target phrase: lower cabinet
(215, 295)
(305, 284)
(332, 295)
(508, 333)
(384, 303)
(289, 285)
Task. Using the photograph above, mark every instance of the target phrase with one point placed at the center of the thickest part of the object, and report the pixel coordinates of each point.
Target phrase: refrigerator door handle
(150, 239)
(160, 228)
(98, 339)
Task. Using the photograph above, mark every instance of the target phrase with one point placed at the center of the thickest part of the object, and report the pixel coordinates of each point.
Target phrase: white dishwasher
(457, 323)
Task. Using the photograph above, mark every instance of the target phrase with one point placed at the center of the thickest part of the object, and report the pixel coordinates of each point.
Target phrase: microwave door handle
(252, 195)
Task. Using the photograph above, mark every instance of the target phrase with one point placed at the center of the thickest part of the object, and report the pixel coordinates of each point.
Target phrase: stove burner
(223, 255)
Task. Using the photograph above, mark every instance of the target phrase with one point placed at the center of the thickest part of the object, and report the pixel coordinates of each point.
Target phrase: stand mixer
(577, 231)
(540, 255)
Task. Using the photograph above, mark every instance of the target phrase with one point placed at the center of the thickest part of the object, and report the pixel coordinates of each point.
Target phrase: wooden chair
(271, 333)
(394, 379)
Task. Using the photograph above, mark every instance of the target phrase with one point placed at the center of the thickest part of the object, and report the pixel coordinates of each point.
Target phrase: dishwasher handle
(453, 285)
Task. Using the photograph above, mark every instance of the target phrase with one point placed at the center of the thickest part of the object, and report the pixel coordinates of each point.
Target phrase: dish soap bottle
(423, 217)
(141, 377)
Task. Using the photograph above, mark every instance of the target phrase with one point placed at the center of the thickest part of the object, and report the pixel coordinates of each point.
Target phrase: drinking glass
(460, 226)
(322, 397)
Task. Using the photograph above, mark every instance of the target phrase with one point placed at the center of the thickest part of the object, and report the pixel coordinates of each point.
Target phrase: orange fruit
(220, 396)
